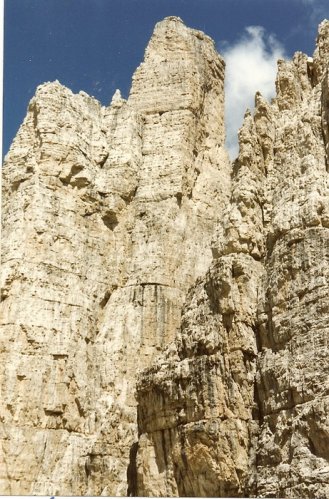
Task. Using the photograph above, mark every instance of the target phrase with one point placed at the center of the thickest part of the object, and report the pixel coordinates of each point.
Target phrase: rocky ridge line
(237, 406)
(131, 245)
(108, 213)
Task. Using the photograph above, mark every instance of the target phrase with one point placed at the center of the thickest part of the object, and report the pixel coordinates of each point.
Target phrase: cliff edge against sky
(164, 312)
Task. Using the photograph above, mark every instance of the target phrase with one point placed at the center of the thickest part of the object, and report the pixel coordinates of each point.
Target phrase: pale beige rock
(292, 378)
(140, 267)
(238, 405)
(196, 405)
(108, 215)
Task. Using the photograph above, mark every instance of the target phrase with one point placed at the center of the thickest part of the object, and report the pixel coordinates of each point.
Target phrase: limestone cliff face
(107, 219)
(238, 405)
(164, 314)
(293, 310)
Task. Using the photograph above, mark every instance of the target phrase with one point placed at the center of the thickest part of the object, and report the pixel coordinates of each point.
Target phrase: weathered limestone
(164, 314)
(107, 219)
(196, 405)
(260, 313)
(292, 379)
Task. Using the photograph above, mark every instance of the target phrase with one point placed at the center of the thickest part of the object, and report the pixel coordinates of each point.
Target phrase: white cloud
(251, 65)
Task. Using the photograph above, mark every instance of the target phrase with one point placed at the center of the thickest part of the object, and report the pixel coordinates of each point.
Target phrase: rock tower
(165, 313)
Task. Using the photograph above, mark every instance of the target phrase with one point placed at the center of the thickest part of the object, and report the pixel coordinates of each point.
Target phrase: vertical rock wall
(107, 219)
(293, 368)
(139, 267)
(197, 404)
(238, 405)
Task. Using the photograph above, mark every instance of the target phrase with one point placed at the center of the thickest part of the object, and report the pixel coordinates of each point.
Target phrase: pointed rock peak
(180, 66)
(117, 99)
(260, 100)
(262, 106)
(169, 25)
(258, 96)
(321, 53)
(49, 86)
(116, 96)
(324, 25)
(323, 35)
(172, 35)
(171, 19)
(51, 90)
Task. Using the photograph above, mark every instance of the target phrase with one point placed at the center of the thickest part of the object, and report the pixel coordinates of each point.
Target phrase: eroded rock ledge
(165, 314)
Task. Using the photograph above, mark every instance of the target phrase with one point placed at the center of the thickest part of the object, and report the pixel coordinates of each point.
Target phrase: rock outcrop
(238, 405)
(107, 219)
(165, 314)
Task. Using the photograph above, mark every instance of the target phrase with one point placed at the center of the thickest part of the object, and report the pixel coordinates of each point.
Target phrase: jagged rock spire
(108, 214)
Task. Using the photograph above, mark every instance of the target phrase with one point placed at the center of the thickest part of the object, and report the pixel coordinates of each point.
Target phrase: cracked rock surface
(238, 404)
(107, 218)
(164, 313)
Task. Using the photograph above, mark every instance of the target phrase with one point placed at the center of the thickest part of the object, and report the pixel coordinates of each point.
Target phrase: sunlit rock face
(238, 404)
(107, 218)
(165, 313)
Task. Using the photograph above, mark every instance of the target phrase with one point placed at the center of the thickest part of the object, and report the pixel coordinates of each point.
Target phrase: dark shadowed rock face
(165, 314)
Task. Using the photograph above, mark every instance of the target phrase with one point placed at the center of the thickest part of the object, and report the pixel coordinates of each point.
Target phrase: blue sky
(95, 45)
